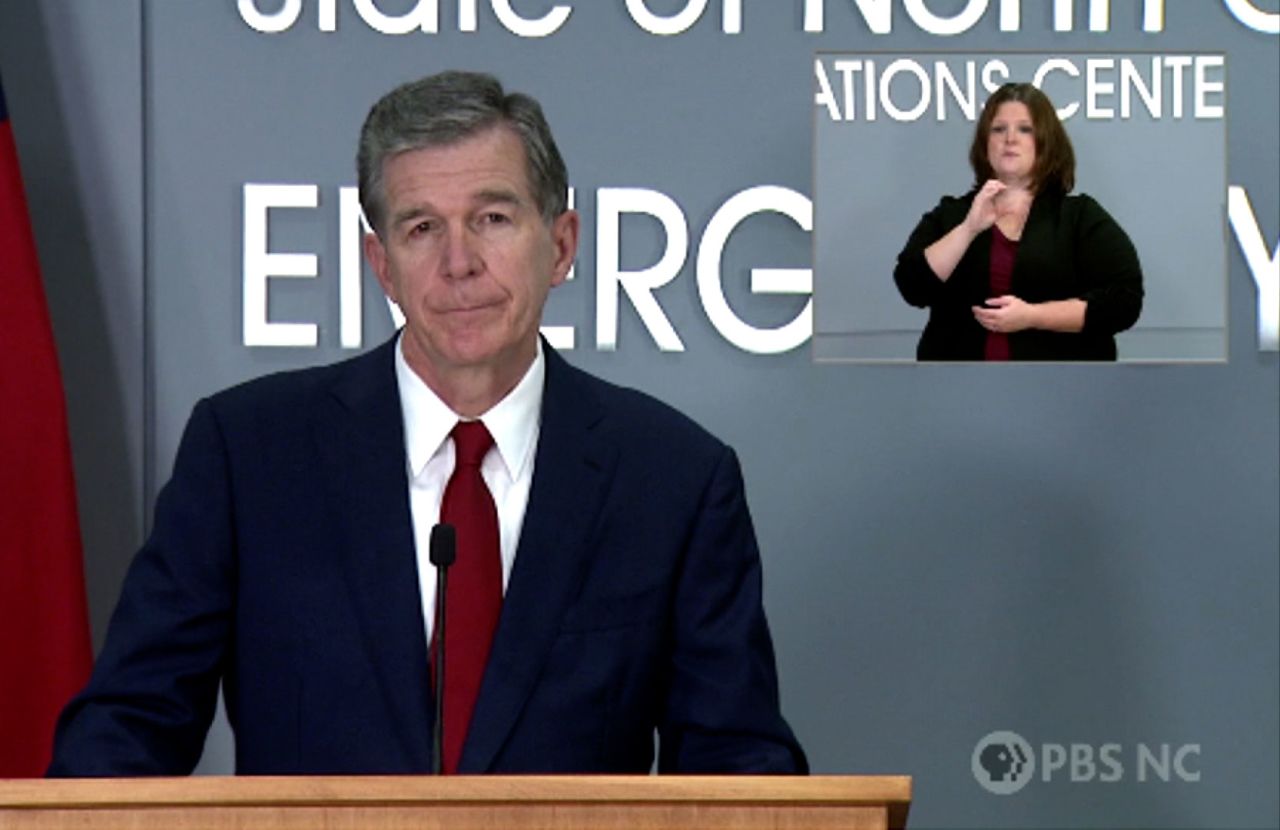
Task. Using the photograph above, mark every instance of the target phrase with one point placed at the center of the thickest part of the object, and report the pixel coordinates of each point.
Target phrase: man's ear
(564, 237)
(377, 256)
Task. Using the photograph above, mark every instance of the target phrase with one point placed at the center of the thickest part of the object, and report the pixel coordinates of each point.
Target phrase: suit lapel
(361, 442)
(573, 468)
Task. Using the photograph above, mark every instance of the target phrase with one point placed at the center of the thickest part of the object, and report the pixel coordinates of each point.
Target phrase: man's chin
(482, 349)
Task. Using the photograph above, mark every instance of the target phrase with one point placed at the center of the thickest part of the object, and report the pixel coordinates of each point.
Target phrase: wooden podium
(581, 802)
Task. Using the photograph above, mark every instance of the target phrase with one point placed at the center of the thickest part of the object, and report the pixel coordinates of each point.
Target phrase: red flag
(44, 629)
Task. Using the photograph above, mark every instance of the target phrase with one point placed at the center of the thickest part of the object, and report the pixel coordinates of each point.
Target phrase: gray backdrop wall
(1085, 556)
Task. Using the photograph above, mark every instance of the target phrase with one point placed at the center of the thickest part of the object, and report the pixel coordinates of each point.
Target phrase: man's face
(467, 256)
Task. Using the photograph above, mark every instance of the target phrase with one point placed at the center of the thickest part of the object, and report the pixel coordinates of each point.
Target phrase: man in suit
(607, 582)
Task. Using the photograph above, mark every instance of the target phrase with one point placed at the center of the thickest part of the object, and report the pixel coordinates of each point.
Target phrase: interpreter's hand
(1005, 314)
(1013, 202)
(984, 211)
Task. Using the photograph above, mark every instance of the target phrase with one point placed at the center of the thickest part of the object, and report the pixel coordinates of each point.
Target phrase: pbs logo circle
(1003, 762)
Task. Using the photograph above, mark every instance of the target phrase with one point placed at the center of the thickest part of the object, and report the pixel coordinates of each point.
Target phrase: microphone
(443, 551)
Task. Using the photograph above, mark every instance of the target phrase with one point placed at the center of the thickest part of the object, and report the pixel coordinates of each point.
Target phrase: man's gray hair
(446, 108)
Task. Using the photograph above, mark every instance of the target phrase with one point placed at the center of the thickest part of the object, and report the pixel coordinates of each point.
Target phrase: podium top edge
(488, 789)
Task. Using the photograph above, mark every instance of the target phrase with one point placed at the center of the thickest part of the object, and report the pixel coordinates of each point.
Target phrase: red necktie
(475, 584)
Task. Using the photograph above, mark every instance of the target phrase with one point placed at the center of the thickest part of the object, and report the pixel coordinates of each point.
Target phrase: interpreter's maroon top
(1003, 252)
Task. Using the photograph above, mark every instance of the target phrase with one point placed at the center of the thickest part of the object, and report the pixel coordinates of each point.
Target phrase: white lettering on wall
(1011, 15)
(1205, 86)
(673, 24)
(260, 265)
(825, 96)
(683, 20)
(1058, 65)
(774, 281)
(1152, 15)
(1255, 18)
(908, 100)
(1165, 86)
(920, 91)
(279, 21)
(423, 17)
(877, 15)
(611, 204)
(958, 23)
(1264, 268)
(1096, 86)
(680, 22)
(548, 24)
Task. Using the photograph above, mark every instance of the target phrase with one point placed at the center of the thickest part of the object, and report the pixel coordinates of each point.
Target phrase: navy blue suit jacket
(282, 564)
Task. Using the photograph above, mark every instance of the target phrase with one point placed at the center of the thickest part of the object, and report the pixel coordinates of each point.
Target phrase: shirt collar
(513, 421)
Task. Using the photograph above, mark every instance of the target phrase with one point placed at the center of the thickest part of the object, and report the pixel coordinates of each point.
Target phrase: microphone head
(444, 545)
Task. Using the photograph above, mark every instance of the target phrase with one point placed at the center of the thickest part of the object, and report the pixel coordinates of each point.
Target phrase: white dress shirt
(507, 468)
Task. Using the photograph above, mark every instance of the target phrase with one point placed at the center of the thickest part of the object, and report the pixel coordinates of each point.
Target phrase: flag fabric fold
(45, 653)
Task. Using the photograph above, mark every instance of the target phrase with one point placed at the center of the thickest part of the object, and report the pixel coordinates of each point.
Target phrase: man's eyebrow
(499, 195)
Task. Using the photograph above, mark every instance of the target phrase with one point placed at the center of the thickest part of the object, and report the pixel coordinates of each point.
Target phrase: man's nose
(460, 256)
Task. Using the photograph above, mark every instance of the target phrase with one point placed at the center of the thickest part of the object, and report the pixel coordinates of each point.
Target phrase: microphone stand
(443, 552)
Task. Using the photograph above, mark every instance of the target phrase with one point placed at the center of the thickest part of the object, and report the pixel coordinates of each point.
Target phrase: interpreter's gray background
(1163, 180)
(1078, 554)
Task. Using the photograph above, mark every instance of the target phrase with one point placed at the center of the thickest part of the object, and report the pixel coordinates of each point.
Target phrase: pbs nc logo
(1004, 762)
